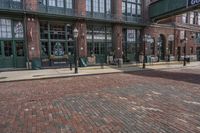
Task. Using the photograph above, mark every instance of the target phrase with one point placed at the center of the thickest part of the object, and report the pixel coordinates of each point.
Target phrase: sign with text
(193, 2)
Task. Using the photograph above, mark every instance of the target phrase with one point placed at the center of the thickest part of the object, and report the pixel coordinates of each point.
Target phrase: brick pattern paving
(138, 102)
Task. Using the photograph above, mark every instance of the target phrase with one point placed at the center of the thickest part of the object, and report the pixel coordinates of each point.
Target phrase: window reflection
(20, 48)
(8, 48)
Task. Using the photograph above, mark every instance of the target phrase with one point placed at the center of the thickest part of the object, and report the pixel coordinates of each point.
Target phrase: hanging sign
(193, 2)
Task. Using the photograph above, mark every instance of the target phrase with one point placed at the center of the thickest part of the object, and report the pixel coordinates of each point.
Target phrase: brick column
(80, 24)
(117, 8)
(33, 37)
(81, 40)
(80, 7)
(117, 40)
(31, 5)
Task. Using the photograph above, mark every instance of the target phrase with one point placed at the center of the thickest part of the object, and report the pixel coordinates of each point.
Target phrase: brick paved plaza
(166, 101)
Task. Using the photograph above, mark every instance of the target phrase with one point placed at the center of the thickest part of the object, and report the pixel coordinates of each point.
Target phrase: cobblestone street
(154, 101)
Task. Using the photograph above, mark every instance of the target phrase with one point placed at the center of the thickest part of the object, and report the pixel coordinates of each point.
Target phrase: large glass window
(192, 20)
(20, 48)
(18, 30)
(199, 18)
(69, 4)
(60, 3)
(0, 49)
(56, 41)
(98, 6)
(52, 2)
(5, 28)
(8, 50)
(57, 32)
(99, 40)
(131, 44)
(184, 18)
(88, 5)
(131, 7)
(44, 49)
(131, 35)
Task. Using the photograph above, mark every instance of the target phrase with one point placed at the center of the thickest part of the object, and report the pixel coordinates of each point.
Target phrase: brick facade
(33, 37)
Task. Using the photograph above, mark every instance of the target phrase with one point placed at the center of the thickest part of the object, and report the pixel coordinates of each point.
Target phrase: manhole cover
(38, 75)
(3, 77)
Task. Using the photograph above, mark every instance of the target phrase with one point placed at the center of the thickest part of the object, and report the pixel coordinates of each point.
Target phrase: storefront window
(5, 28)
(57, 44)
(69, 4)
(8, 48)
(0, 49)
(60, 3)
(88, 5)
(192, 18)
(131, 35)
(44, 49)
(131, 7)
(57, 32)
(184, 18)
(57, 48)
(20, 48)
(98, 6)
(131, 42)
(99, 40)
(52, 2)
(199, 18)
(44, 31)
(18, 30)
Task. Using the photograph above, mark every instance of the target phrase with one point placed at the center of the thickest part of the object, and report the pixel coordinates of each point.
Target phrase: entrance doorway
(162, 47)
(12, 54)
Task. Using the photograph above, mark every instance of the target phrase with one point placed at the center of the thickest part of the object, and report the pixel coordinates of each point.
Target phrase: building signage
(193, 2)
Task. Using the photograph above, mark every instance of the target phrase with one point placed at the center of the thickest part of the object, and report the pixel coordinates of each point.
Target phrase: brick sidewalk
(137, 102)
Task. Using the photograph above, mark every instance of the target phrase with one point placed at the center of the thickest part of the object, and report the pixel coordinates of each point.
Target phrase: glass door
(100, 52)
(20, 58)
(7, 54)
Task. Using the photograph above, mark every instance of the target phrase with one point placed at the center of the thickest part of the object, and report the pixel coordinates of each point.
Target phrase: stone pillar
(117, 41)
(81, 40)
(33, 37)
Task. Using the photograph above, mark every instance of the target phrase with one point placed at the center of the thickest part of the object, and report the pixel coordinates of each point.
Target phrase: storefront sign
(193, 2)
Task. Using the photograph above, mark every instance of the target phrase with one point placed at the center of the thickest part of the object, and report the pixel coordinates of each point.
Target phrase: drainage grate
(38, 75)
(3, 77)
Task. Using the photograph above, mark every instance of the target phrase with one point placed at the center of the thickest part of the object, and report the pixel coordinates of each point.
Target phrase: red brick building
(41, 32)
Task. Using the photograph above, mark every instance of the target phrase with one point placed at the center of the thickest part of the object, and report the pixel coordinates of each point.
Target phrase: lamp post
(185, 41)
(75, 34)
(159, 45)
(146, 39)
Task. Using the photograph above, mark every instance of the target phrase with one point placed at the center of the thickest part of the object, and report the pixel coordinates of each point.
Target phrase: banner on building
(193, 2)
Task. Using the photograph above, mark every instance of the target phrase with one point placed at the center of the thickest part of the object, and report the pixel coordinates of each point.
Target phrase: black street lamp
(185, 41)
(147, 39)
(159, 43)
(75, 34)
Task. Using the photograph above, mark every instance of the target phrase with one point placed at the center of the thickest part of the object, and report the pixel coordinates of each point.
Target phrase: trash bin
(36, 63)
